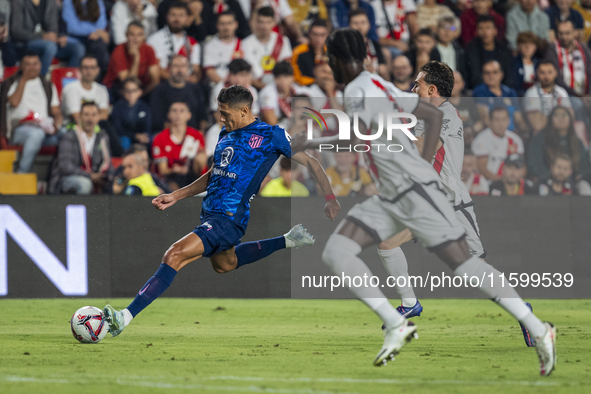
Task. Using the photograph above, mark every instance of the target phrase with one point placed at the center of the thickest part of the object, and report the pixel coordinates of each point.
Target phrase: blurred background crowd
(119, 97)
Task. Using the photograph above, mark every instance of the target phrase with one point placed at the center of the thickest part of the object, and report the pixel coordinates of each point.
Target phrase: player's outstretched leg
(544, 333)
(249, 252)
(340, 254)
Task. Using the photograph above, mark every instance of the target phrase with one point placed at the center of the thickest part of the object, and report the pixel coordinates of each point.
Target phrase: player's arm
(199, 186)
(332, 206)
(432, 117)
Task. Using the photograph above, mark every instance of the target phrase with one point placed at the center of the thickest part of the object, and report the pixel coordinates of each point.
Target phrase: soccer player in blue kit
(247, 149)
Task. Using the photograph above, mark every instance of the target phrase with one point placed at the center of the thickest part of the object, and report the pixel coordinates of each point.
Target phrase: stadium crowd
(121, 95)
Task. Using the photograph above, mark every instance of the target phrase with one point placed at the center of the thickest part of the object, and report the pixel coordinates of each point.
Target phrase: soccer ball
(89, 324)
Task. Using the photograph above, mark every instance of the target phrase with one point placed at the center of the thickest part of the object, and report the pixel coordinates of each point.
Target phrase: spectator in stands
(178, 89)
(276, 97)
(195, 26)
(85, 90)
(562, 10)
(450, 51)
(584, 8)
(485, 48)
(557, 137)
(339, 15)
(494, 144)
(306, 12)
(423, 51)
(429, 13)
(324, 92)
(34, 27)
(544, 96)
(476, 184)
(285, 185)
(179, 151)
(182, 43)
(558, 184)
(512, 182)
(133, 59)
(396, 22)
(139, 179)
(212, 9)
(33, 110)
(525, 63)
(493, 93)
(87, 23)
(402, 73)
(265, 48)
(283, 15)
(467, 109)
(348, 179)
(469, 20)
(131, 117)
(375, 62)
(568, 54)
(306, 56)
(126, 11)
(526, 16)
(83, 162)
(119, 179)
(222, 48)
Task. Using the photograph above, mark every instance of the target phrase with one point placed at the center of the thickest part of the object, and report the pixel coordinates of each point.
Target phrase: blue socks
(153, 289)
(250, 252)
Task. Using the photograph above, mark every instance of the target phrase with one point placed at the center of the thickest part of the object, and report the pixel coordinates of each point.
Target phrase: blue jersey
(241, 161)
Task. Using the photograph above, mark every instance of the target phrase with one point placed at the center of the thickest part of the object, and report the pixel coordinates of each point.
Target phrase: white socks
(127, 317)
(395, 263)
(340, 254)
(506, 296)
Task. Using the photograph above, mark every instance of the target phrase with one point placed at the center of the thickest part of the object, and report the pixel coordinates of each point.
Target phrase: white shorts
(467, 218)
(423, 209)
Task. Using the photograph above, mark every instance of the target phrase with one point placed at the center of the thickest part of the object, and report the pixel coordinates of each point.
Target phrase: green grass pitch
(287, 346)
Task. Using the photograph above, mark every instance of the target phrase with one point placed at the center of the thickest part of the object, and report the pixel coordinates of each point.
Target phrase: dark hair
(486, 18)
(318, 23)
(552, 141)
(91, 57)
(235, 96)
(227, 12)
(266, 11)
(179, 102)
(136, 24)
(239, 65)
(357, 12)
(499, 108)
(88, 104)
(283, 68)
(90, 11)
(527, 36)
(425, 31)
(31, 54)
(561, 22)
(493, 61)
(545, 62)
(178, 4)
(563, 156)
(134, 80)
(347, 44)
(440, 75)
(285, 164)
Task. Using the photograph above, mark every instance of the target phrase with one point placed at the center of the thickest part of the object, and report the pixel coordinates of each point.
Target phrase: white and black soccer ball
(89, 325)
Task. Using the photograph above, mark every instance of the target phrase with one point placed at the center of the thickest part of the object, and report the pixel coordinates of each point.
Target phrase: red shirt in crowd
(164, 148)
(469, 19)
(121, 60)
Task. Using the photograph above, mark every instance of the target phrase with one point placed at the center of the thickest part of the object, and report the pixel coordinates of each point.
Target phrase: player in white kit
(410, 197)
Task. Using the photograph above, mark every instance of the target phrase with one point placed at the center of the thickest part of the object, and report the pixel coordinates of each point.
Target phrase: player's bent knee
(173, 257)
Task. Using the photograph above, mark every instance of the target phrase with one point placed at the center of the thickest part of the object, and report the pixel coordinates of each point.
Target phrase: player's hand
(164, 201)
(332, 209)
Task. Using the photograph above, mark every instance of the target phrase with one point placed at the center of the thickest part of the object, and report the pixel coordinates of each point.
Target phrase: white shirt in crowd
(73, 94)
(281, 8)
(218, 54)
(496, 148)
(477, 185)
(269, 97)
(34, 100)
(255, 52)
(536, 99)
(166, 45)
(396, 16)
(121, 17)
(89, 142)
(213, 102)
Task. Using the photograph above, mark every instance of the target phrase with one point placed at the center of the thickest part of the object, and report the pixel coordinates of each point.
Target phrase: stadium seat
(62, 76)
(7, 159)
(18, 183)
(116, 161)
(9, 71)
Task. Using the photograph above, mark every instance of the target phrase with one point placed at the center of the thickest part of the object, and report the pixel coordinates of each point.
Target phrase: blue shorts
(218, 233)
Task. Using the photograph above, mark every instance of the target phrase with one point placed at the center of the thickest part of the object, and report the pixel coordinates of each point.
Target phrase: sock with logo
(153, 289)
(249, 252)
